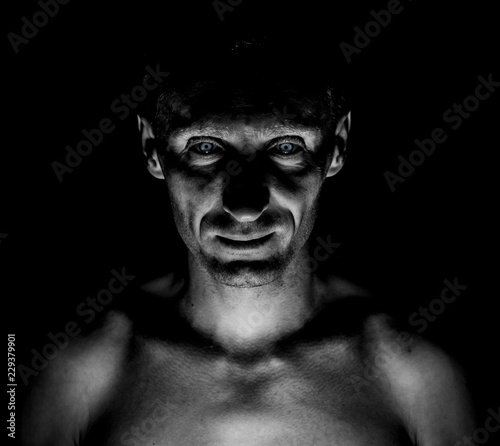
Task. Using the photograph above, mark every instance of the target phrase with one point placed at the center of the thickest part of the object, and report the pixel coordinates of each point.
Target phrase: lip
(245, 237)
(244, 241)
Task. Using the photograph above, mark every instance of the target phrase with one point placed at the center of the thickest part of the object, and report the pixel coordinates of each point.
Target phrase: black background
(64, 238)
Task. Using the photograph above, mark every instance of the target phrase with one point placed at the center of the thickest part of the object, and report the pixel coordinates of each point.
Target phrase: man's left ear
(341, 133)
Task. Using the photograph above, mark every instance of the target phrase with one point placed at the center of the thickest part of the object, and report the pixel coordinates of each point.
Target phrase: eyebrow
(224, 132)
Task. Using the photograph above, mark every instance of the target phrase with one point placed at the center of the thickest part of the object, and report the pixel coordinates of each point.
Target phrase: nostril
(243, 214)
(246, 205)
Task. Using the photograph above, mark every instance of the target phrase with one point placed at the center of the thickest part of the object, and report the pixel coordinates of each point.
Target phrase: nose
(245, 198)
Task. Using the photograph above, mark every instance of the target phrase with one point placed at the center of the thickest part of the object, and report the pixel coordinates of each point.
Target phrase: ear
(148, 147)
(341, 133)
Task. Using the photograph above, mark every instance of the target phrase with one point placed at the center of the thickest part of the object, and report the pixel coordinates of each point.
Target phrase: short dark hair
(251, 77)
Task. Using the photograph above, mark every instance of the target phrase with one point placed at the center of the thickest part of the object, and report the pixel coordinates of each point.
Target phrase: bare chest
(308, 396)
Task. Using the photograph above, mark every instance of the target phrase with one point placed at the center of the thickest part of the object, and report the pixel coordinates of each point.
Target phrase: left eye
(287, 148)
(206, 147)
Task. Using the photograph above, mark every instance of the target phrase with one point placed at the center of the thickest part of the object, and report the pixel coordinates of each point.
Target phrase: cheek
(298, 193)
(303, 179)
(192, 196)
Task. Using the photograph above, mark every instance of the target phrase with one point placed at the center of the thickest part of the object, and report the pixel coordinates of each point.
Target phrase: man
(251, 347)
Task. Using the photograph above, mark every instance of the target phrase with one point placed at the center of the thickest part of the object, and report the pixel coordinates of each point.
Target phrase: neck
(246, 318)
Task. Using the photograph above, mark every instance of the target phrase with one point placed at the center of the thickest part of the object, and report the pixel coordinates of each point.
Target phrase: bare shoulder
(69, 392)
(333, 288)
(425, 385)
(166, 287)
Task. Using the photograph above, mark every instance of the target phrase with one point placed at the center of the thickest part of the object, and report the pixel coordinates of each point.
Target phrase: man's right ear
(149, 148)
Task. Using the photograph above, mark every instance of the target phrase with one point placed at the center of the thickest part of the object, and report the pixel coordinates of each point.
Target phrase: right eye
(205, 147)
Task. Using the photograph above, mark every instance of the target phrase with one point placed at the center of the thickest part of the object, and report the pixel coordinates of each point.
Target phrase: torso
(313, 389)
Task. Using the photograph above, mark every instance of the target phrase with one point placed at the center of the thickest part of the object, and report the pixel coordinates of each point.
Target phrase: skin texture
(252, 349)
(270, 194)
(354, 383)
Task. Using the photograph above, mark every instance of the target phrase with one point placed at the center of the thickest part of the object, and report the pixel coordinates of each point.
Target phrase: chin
(246, 274)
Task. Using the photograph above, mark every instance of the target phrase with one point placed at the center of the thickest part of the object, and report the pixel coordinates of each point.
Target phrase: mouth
(241, 242)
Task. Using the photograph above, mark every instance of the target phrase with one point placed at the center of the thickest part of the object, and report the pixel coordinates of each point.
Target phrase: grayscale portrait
(258, 282)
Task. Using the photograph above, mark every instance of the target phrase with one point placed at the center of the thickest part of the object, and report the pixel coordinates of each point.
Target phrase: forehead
(256, 107)
(263, 127)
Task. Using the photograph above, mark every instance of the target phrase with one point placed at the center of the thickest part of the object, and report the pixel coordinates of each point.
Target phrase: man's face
(244, 194)
(243, 178)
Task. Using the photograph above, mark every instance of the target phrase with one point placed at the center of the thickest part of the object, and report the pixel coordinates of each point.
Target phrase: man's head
(244, 149)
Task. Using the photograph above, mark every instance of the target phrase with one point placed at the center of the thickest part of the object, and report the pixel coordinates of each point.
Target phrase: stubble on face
(299, 185)
(248, 273)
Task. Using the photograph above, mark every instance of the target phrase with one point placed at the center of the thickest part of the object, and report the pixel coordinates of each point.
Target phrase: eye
(289, 147)
(204, 147)
(286, 147)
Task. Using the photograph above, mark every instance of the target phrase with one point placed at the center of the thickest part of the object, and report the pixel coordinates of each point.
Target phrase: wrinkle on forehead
(262, 129)
(214, 107)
